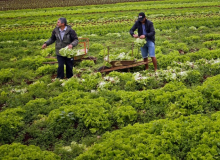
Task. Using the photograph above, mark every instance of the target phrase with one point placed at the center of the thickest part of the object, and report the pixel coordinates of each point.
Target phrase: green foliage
(103, 53)
(6, 75)
(47, 51)
(192, 28)
(37, 89)
(18, 151)
(87, 63)
(140, 42)
(87, 82)
(31, 62)
(190, 137)
(168, 44)
(46, 69)
(193, 77)
(68, 97)
(121, 56)
(96, 47)
(124, 115)
(173, 86)
(185, 102)
(181, 47)
(208, 44)
(3, 97)
(71, 151)
(165, 60)
(66, 52)
(192, 39)
(37, 107)
(211, 36)
(92, 113)
(115, 35)
(69, 116)
(11, 121)
(211, 91)
(212, 44)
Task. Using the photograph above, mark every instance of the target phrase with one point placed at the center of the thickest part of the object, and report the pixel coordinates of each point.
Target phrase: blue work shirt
(62, 32)
(144, 29)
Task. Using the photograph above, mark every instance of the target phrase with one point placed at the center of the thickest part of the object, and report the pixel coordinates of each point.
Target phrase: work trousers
(69, 67)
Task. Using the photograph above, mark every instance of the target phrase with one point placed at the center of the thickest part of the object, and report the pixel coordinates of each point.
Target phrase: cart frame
(117, 65)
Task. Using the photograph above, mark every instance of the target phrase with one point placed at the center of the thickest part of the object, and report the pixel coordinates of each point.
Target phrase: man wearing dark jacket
(145, 31)
(64, 36)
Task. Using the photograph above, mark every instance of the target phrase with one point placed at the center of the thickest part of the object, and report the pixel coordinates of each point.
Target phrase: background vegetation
(169, 114)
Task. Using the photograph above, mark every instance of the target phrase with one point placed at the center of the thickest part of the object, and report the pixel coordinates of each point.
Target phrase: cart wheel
(102, 68)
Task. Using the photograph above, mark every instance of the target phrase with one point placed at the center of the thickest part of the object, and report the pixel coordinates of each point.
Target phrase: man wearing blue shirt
(145, 31)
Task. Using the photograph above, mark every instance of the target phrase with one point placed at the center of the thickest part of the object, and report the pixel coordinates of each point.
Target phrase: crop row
(123, 26)
(108, 8)
(111, 16)
(76, 114)
(35, 63)
(123, 20)
(183, 71)
(193, 137)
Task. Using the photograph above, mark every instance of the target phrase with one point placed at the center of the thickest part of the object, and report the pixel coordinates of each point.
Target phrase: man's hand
(135, 36)
(142, 37)
(44, 46)
(70, 46)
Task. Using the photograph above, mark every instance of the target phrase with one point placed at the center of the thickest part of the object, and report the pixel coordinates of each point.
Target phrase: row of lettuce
(23, 52)
(193, 137)
(190, 69)
(146, 5)
(209, 40)
(76, 114)
(114, 27)
(204, 61)
(189, 73)
(30, 23)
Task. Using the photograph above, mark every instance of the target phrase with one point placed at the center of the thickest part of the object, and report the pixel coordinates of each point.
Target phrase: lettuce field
(170, 114)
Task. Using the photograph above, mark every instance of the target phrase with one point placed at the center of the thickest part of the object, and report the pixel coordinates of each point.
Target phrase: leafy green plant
(31, 62)
(140, 42)
(185, 137)
(181, 47)
(66, 52)
(212, 44)
(11, 121)
(212, 37)
(46, 69)
(87, 63)
(71, 151)
(192, 39)
(20, 151)
(47, 51)
(124, 115)
(6, 75)
(33, 108)
(96, 47)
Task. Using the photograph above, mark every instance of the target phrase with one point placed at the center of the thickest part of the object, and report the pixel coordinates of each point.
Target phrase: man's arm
(52, 39)
(74, 38)
(152, 31)
(133, 29)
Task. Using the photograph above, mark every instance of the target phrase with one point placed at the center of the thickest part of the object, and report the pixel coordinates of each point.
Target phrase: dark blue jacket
(149, 30)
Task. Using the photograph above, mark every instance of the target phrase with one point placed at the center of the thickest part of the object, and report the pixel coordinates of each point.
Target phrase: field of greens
(172, 113)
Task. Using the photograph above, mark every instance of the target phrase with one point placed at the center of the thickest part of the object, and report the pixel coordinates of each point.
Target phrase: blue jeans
(148, 49)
